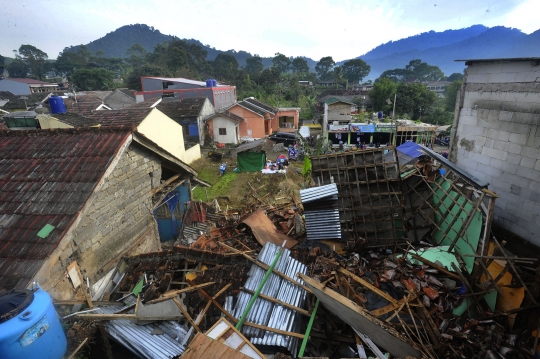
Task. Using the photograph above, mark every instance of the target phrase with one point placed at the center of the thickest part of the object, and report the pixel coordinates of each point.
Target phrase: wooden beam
(274, 330)
(174, 293)
(436, 266)
(279, 302)
(125, 317)
(216, 296)
(98, 303)
(186, 314)
(165, 184)
(368, 285)
(201, 291)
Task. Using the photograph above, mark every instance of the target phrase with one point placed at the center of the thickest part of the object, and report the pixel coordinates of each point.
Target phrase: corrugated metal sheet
(139, 341)
(267, 313)
(45, 178)
(316, 193)
(323, 224)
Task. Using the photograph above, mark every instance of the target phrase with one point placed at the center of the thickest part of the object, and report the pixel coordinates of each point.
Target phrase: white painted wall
(497, 139)
(223, 122)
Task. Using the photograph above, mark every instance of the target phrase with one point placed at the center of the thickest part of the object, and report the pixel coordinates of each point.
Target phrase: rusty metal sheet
(265, 231)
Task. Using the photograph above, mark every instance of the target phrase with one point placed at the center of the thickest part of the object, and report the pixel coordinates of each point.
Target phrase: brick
(537, 166)
(494, 153)
(530, 152)
(514, 148)
(501, 145)
(519, 138)
(513, 158)
(505, 115)
(488, 171)
(528, 173)
(528, 162)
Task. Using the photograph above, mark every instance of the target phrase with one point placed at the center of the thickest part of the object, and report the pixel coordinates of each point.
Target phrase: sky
(343, 29)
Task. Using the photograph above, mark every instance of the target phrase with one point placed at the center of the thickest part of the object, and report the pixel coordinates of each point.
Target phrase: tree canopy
(383, 90)
(355, 70)
(35, 59)
(133, 80)
(281, 62)
(324, 68)
(451, 95)
(93, 79)
(299, 65)
(415, 70)
(254, 65)
(18, 68)
(414, 99)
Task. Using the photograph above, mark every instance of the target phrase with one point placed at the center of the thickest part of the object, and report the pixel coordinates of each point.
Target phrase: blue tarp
(411, 149)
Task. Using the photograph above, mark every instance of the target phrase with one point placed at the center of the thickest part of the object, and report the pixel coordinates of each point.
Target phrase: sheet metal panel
(316, 193)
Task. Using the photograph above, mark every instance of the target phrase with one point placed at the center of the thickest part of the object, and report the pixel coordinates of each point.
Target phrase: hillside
(435, 48)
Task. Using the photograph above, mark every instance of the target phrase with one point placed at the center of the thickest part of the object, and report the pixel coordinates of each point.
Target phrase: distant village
(97, 209)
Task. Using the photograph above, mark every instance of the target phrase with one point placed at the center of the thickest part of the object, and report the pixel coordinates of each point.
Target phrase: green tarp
(251, 161)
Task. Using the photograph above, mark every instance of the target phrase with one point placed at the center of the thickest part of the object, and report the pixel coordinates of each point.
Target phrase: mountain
(443, 48)
(435, 48)
(117, 42)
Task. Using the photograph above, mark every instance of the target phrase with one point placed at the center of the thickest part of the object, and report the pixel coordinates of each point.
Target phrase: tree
(338, 74)
(455, 76)
(416, 69)
(324, 68)
(383, 90)
(35, 59)
(299, 65)
(134, 77)
(254, 65)
(269, 78)
(450, 94)
(17, 68)
(2, 63)
(355, 70)
(93, 79)
(225, 66)
(414, 99)
(69, 61)
(137, 55)
(281, 62)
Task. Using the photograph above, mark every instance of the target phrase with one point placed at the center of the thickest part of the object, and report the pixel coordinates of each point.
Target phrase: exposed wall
(192, 154)
(118, 100)
(223, 122)
(497, 139)
(339, 111)
(46, 122)
(285, 113)
(253, 124)
(117, 221)
(16, 88)
(206, 110)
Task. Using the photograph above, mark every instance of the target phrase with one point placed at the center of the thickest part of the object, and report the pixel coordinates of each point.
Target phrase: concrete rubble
(413, 270)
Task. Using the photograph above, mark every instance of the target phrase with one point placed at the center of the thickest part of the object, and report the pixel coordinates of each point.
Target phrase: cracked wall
(497, 138)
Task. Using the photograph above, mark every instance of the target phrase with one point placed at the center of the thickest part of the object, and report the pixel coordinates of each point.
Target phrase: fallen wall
(497, 137)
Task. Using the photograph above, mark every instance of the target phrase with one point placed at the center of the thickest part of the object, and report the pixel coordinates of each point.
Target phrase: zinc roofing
(45, 178)
(257, 106)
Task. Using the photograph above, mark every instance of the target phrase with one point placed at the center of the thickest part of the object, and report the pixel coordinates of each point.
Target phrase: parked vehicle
(287, 138)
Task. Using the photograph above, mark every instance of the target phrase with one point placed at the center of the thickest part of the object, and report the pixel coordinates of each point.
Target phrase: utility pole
(393, 140)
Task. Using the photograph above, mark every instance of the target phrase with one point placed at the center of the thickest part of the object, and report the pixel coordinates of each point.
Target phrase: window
(223, 131)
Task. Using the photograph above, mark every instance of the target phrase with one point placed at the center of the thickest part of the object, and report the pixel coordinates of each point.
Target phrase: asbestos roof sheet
(6, 95)
(229, 115)
(45, 179)
(75, 119)
(30, 81)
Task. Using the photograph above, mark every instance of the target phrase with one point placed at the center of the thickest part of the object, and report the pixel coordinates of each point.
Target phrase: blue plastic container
(214, 83)
(209, 83)
(57, 104)
(29, 326)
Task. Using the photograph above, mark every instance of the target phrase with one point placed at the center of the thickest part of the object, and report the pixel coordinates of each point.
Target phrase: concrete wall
(16, 88)
(292, 115)
(47, 122)
(192, 154)
(223, 122)
(206, 110)
(497, 139)
(224, 96)
(253, 124)
(118, 100)
(339, 111)
(117, 221)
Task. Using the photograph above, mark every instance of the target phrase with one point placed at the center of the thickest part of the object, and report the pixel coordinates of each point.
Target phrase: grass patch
(221, 187)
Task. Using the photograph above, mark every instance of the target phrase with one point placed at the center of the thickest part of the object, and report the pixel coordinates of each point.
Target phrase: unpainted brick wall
(498, 139)
(120, 213)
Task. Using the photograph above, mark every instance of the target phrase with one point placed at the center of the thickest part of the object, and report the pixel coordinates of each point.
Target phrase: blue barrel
(214, 83)
(29, 326)
(193, 130)
(57, 104)
(209, 83)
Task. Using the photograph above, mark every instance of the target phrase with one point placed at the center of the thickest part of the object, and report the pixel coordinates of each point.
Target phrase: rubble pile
(255, 274)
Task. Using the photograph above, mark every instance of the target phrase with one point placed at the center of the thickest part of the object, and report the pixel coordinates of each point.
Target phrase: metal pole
(259, 288)
(308, 330)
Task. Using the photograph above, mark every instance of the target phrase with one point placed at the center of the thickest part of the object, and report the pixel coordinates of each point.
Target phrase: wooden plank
(204, 347)
(125, 317)
(78, 348)
(203, 312)
(98, 303)
(75, 266)
(436, 266)
(274, 330)
(186, 314)
(174, 293)
(165, 184)
(202, 292)
(382, 334)
(368, 285)
(277, 301)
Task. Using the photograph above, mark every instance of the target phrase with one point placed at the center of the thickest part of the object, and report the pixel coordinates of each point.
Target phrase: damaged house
(84, 195)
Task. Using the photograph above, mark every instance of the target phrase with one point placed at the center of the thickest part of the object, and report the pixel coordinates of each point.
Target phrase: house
(220, 95)
(154, 125)
(329, 83)
(496, 136)
(354, 96)
(24, 86)
(339, 110)
(120, 98)
(305, 83)
(84, 195)
(259, 119)
(439, 87)
(225, 127)
(24, 102)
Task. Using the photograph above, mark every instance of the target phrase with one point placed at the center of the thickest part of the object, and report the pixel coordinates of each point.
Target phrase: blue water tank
(193, 130)
(209, 83)
(29, 326)
(214, 83)
(57, 104)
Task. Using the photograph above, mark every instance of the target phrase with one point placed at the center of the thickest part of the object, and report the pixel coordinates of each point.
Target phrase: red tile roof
(30, 81)
(45, 178)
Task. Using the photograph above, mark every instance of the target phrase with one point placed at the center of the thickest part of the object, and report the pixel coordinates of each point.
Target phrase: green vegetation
(415, 70)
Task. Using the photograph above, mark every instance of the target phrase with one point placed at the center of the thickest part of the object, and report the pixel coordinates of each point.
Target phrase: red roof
(45, 178)
(30, 81)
